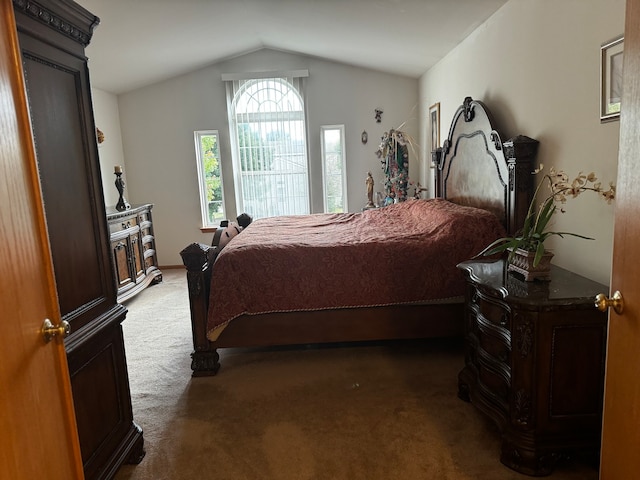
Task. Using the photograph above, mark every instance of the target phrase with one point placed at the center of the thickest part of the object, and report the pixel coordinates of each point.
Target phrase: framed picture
(611, 79)
(434, 126)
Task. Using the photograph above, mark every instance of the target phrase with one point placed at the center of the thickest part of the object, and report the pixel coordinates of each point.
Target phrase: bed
(368, 275)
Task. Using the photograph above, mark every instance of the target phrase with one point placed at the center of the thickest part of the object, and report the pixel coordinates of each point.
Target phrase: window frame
(323, 152)
(202, 186)
(237, 92)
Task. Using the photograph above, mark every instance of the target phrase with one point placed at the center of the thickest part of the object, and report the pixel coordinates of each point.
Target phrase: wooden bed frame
(474, 167)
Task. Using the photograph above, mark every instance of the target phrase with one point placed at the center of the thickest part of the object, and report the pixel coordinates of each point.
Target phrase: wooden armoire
(52, 37)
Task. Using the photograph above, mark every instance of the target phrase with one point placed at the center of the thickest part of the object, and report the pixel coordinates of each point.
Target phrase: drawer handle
(126, 225)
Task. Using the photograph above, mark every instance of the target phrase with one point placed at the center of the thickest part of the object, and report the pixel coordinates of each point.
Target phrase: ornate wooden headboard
(475, 167)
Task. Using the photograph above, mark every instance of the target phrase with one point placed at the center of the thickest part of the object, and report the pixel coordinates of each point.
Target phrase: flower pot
(521, 261)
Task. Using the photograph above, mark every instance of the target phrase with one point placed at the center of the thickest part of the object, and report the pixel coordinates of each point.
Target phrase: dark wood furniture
(52, 38)
(534, 363)
(474, 168)
(133, 250)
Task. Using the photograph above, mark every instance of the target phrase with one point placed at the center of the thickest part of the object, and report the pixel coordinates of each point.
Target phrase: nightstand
(534, 362)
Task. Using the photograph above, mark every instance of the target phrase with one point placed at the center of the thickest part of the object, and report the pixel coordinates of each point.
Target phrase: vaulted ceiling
(139, 42)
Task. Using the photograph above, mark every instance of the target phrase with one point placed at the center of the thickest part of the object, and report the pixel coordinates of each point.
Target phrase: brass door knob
(616, 301)
(49, 331)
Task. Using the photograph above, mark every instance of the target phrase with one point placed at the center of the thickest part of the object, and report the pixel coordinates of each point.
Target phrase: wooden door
(621, 424)
(38, 436)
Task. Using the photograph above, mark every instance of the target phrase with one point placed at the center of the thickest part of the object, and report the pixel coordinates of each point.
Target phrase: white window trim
(323, 128)
(231, 98)
(202, 187)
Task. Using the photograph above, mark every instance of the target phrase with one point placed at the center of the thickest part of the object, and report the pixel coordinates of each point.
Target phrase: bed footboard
(198, 259)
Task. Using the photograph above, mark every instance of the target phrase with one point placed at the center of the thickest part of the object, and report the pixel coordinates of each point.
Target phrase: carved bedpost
(198, 259)
(520, 153)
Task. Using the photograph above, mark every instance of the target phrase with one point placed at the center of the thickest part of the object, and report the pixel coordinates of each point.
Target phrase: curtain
(269, 148)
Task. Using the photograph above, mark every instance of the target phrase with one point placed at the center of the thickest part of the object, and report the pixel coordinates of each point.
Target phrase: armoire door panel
(59, 124)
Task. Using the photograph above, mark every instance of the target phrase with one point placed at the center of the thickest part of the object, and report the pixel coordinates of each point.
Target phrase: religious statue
(369, 182)
(394, 156)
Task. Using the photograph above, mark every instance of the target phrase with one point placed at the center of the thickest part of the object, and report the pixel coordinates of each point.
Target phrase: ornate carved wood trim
(524, 337)
(522, 407)
(80, 30)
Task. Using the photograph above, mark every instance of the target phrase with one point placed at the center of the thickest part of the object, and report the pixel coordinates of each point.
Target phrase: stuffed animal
(227, 230)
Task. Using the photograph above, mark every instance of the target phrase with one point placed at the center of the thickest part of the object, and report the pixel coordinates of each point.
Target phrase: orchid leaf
(534, 230)
(561, 234)
(539, 253)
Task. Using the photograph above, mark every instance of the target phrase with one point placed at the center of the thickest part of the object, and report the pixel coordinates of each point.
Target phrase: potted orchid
(527, 253)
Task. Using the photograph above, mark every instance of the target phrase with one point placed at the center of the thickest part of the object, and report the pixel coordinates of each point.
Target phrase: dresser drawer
(148, 243)
(124, 223)
(149, 262)
(495, 376)
(494, 340)
(493, 311)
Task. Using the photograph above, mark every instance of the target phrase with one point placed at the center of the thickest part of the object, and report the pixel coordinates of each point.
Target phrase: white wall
(536, 65)
(107, 117)
(158, 122)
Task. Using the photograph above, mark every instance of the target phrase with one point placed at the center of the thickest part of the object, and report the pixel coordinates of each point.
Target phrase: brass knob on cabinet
(616, 301)
(49, 331)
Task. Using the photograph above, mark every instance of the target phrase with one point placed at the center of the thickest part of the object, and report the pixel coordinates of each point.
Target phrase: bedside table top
(565, 287)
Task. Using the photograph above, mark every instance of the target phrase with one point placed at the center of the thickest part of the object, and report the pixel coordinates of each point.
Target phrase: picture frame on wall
(434, 126)
(611, 79)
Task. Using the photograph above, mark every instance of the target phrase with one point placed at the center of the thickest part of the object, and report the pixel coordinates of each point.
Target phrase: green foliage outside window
(213, 177)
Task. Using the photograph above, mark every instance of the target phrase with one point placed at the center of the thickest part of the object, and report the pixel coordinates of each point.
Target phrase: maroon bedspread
(403, 253)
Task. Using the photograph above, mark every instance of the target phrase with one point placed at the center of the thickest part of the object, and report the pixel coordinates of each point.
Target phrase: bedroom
(574, 132)
(521, 73)
(517, 86)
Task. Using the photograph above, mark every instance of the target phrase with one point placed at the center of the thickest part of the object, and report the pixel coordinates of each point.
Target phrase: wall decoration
(99, 135)
(364, 137)
(378, 115)
(611, 79)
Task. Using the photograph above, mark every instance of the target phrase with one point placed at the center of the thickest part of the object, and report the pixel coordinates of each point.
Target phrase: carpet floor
(372, 411)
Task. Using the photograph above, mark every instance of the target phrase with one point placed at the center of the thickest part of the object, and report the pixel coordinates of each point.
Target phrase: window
(209, 177)
(268, 137)
(333, 169)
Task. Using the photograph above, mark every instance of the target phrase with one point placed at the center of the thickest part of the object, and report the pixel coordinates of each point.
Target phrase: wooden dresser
(534, 362)
(133, 250)
(52, 37)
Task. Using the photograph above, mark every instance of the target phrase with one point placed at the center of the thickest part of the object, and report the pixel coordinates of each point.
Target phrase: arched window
(269, 148)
